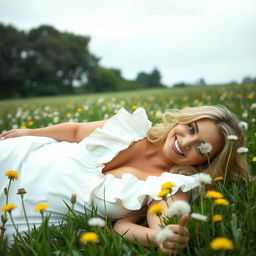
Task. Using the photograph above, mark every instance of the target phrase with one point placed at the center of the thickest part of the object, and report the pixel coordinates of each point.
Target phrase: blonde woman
(120, 165)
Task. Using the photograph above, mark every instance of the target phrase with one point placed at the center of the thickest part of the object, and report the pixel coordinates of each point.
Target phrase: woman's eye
(191, 129)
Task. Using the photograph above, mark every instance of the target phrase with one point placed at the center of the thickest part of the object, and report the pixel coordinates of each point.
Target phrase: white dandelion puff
(242, 150)
(96, 222)
(178, 208)
(163, 235)
(243, 125)
(205, 148)
(198, 216)
(203, 178)
(232, 137)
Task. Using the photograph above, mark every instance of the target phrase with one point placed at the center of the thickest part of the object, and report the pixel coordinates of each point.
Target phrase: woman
(119, 165)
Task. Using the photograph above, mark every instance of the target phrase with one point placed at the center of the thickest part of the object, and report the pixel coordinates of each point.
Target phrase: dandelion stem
(7, 193)
(16, 229)
(226, 169)
(25, 214)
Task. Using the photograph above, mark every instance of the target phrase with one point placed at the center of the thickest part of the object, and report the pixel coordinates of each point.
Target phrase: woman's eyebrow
(196, 126)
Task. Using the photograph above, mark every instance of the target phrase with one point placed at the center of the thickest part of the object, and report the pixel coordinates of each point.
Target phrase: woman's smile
(176, 147)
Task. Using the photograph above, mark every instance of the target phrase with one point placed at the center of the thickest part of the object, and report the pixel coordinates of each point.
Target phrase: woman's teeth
(177, 147)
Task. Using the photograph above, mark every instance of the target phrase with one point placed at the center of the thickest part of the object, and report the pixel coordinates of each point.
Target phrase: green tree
(12, 75)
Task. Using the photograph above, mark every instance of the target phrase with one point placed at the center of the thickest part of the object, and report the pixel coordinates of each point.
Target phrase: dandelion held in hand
(178, 208)
(156, 209)
(163, 235)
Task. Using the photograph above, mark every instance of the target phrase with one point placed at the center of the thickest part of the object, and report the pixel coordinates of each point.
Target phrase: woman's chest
(133, 160)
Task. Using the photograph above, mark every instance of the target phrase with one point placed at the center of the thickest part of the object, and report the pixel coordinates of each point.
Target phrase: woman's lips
(176, 148)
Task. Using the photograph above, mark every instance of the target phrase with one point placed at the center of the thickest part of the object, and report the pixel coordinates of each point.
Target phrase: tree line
(45, 61)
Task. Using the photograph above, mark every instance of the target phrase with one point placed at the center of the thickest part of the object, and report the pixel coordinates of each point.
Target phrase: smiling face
(182, 145)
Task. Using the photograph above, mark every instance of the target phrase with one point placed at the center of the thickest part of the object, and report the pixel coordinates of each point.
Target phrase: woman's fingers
(184, 219)
(13, 133)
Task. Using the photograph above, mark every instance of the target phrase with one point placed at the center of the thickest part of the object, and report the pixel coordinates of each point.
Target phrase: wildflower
(134, 107)
(167, 185)
(41, 207)
(204, 178)
(96, 222)
(163, 235)
(198, 216)
(221, 201)
(163, 193)
(23, 127)
(12, 174)
(218, 178)
(204, 148)
(243, 125)
(89, 237)
(73, 198)
(217, 218)
(221, 243)
(21, 191)
(156, 209)
(242, 150)
(245, 114)
(30, 123)
(250, 96)
(254, 159)
(178, 208)
(253, 106)
(232, 137)
(8, 207)
(79, 110)
(213, 194)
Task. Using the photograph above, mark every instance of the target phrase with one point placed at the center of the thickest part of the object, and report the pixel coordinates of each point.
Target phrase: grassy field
(238, 222)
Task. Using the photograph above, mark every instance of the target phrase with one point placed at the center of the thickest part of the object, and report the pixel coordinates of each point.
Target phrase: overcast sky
(184, 39)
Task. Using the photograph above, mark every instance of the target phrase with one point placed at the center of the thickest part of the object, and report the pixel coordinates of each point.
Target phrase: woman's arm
(130, 230)
(70, 131)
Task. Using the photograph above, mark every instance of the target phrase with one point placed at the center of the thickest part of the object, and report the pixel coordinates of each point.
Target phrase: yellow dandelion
(221, 243)
(254, 159)
(23, 127)
(79, 110)
(217, 218)
(167, 185)
(221, 201)
(41, 207)
(8, 207)
(218, 178)
(213, 194)
(163, 193)
(156, 209)
(68, 114)
(250, 96)
(12, 174)
(30, 123)
(134, 107)
(89, 237)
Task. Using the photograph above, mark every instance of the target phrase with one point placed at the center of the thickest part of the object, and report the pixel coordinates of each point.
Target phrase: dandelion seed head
(203, 178)
(198, 216)
(242, 150)
(178, 208)
(163, 235)
(205, 148)
(96, 222)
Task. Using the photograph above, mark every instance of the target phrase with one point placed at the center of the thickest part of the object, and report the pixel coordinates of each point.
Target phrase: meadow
(238, 217)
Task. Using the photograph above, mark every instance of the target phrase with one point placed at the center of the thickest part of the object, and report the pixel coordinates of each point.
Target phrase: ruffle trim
(134, 193)
(118, 133)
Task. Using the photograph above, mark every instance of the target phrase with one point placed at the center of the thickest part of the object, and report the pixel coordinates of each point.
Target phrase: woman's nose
(187, 141)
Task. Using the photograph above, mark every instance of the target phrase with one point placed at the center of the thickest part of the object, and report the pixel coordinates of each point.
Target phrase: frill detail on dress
(134, 193)
(118, 133)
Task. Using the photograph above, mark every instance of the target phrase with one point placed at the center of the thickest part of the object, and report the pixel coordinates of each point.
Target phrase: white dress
(51, 171)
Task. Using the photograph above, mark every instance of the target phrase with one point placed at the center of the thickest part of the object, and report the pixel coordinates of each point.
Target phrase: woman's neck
(154, 152)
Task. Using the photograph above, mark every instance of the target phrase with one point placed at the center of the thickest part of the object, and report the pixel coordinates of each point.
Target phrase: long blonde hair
(228, 124)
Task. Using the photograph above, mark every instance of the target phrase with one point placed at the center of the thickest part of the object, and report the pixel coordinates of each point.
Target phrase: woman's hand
(14, 133)
(178, 241)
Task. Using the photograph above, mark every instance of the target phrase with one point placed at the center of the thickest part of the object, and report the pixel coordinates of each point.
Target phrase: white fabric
(52, 171)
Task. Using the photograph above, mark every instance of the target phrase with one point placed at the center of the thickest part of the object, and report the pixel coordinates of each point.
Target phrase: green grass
(238, 218)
